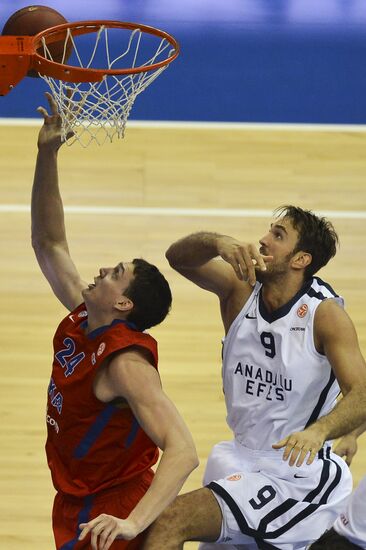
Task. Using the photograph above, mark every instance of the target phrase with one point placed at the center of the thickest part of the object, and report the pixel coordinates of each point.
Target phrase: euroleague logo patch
(302, 311)
(235, 477)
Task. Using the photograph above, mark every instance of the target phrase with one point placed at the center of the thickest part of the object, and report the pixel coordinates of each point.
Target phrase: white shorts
(352, 522)
(268, 504)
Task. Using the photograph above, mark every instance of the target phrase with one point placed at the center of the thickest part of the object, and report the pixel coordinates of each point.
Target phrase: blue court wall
(241, 61)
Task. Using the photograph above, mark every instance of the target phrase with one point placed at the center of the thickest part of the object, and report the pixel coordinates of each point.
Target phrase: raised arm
(48, 228)
(132, 377)
(196, 257)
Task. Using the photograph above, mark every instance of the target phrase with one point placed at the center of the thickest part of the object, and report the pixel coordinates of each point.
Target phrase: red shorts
(68, 512)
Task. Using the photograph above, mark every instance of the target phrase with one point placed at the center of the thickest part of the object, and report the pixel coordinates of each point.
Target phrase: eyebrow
(119, 267)
(278, 226)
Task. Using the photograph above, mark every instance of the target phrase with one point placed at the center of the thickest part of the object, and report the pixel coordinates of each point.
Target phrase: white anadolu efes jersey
(275, 381)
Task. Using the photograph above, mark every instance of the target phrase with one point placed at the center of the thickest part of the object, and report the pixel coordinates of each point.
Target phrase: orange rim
(70, 73)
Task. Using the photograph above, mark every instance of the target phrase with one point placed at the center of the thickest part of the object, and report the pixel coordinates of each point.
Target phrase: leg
(193, 516)
(330, 540)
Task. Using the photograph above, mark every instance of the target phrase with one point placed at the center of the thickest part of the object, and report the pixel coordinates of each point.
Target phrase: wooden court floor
(173, 169)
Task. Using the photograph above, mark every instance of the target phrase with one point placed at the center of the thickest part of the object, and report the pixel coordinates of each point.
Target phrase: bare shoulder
(125, 374)
(131, 370)
(336, 338)
(333, 327)
(329, 314)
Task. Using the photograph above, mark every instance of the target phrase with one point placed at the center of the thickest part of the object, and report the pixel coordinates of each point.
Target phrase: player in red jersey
(106, 413)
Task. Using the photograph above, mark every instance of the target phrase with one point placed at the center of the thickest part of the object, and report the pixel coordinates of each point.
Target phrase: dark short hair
(331, 540)
(317, 236)
(150, 294)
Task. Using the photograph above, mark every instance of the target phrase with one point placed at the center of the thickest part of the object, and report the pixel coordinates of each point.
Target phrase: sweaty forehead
(128, 267)
(285, 222)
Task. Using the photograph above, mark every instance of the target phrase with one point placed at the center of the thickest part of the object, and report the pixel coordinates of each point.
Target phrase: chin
(85, 294)
(261, 276)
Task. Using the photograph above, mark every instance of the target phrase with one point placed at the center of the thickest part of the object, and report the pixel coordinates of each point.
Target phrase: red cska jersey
(92, 445)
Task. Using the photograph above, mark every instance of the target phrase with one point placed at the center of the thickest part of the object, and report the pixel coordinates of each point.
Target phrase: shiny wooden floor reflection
(172, 168)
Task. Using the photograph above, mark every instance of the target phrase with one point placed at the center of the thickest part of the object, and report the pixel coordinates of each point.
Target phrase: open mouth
(91, 285)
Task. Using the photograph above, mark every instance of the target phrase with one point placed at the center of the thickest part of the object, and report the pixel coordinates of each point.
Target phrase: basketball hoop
(95, 101)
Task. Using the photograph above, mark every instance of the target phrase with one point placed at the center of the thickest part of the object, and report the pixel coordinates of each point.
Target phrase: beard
(275, 271)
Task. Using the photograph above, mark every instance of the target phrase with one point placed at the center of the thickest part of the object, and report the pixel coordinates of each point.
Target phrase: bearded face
(276, 269)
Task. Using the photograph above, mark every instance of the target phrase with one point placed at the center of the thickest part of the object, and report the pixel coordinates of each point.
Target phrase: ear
(301, 260)
(124, 304)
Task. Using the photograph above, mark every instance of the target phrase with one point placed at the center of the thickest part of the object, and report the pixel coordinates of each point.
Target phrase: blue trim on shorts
(83, 517)
(323, 479)
(261, 532)
(336, 480)
(94, 431)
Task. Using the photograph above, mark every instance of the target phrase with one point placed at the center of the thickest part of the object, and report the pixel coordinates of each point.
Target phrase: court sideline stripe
(202, 125)
(182, 212)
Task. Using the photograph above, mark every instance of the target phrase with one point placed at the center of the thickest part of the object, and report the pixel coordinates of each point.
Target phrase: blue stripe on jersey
(327, 286)
(83, 517)
(94, 431)
(100, 330)
(322, 398)
(133, 433)
(316, 294)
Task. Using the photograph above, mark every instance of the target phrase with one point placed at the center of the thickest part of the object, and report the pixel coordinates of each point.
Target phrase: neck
(275, 294)
(100, 319)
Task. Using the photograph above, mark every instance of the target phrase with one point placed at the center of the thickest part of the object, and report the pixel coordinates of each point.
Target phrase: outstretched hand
(104, 529)
(244, 258)
(300, 445)
(51, 134)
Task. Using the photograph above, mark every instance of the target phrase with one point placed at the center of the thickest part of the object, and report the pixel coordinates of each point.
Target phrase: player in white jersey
(289, 346)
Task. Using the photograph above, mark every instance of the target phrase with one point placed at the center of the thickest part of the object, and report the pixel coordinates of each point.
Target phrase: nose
(262, 241)
(102, 272)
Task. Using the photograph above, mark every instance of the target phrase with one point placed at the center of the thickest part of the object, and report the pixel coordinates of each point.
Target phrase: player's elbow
(39, 246)
(191, 460)
(172, 257)
(186, 455)
(194, 460)
(40, 242)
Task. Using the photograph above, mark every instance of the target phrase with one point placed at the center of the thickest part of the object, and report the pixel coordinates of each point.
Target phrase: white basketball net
(98, 111)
